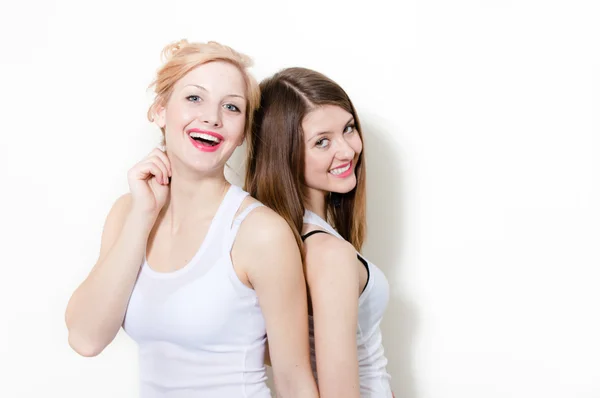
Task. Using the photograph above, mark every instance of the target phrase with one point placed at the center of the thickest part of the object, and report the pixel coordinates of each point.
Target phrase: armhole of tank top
(237, 222)
(232, 234)
(366, 264)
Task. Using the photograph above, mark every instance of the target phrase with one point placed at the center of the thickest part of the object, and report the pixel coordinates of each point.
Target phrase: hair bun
(217, 47)
(172, 49)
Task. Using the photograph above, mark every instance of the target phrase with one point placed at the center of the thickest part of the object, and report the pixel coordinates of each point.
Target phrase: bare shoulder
(263, 226)
(325, 247)
(266, 251)
(121, 206)
(114, 222)
(325, 253)
(118, 211)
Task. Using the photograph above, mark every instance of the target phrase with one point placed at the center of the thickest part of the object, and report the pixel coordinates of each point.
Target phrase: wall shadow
(385, 247)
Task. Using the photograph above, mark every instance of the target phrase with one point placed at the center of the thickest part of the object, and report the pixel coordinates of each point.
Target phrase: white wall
(482, 140)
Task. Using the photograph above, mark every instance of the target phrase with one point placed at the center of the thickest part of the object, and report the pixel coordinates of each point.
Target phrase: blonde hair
(181, 57)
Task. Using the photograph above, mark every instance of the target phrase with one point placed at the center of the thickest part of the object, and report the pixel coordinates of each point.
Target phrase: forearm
(344, 383)
(97, 308)
(291, 361)
(298, 384)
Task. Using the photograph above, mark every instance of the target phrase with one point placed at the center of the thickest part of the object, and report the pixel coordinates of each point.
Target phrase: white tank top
(373, 376)
(200, 330)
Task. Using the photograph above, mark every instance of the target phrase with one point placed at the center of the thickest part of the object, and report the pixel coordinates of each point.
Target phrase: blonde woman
(195, 270)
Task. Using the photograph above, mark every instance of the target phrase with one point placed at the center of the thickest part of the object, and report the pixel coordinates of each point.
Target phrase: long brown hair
(275, 169)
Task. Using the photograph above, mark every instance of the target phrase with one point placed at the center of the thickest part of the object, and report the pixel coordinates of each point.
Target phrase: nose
(211, 116)
(345, 151)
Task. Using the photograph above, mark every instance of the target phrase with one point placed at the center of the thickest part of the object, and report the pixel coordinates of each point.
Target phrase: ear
(160, 117)
(242, 138)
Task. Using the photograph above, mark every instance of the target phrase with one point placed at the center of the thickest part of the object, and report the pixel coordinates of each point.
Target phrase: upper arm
(112, 228)
(267, 250)
(333, 280)
(114, 224)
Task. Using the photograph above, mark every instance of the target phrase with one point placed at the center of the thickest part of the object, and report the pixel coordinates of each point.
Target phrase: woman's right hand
(149, 183)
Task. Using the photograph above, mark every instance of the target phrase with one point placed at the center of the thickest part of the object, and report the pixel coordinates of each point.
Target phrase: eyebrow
(350, 121)
(204, 89)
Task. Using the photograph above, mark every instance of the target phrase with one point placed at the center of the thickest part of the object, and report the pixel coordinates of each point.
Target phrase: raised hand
(149, 182)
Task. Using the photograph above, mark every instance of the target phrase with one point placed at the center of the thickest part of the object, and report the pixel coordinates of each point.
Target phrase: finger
(155, 184)
(148, 170)
(163, 156)
(158, 161)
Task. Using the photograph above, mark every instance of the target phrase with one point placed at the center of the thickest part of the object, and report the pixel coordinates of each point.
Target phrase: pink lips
(345, 173)
(200, 145)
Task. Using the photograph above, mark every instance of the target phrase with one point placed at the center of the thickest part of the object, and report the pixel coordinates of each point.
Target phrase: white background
(481, 122)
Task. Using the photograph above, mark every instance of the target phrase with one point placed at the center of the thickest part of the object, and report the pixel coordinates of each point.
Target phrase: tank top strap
(231, 203)
(235, 224)
(238, 220)
(314, 219)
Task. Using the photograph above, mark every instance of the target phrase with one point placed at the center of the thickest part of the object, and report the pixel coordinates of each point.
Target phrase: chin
(203, 162)
(199, 165)
(344, 187)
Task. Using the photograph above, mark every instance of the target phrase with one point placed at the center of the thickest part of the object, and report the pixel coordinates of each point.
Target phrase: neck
(193, 197)
(317, 202)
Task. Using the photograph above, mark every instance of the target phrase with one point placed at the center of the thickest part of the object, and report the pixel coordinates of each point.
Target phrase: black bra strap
(311, 233)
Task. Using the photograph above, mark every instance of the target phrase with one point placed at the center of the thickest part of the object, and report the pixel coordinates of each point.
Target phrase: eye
(349, 129)
(193, 98)
(322, 143)
(231, 107)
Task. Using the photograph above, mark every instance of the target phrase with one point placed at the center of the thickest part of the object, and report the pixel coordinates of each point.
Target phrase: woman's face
(332, 148)
(205, 116)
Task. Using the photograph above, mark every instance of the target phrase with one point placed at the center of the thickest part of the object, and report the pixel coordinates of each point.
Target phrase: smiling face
(204, 117)
(332, 146)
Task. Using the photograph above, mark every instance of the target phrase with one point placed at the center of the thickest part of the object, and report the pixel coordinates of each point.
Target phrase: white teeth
(204, 136)
(339, 171)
